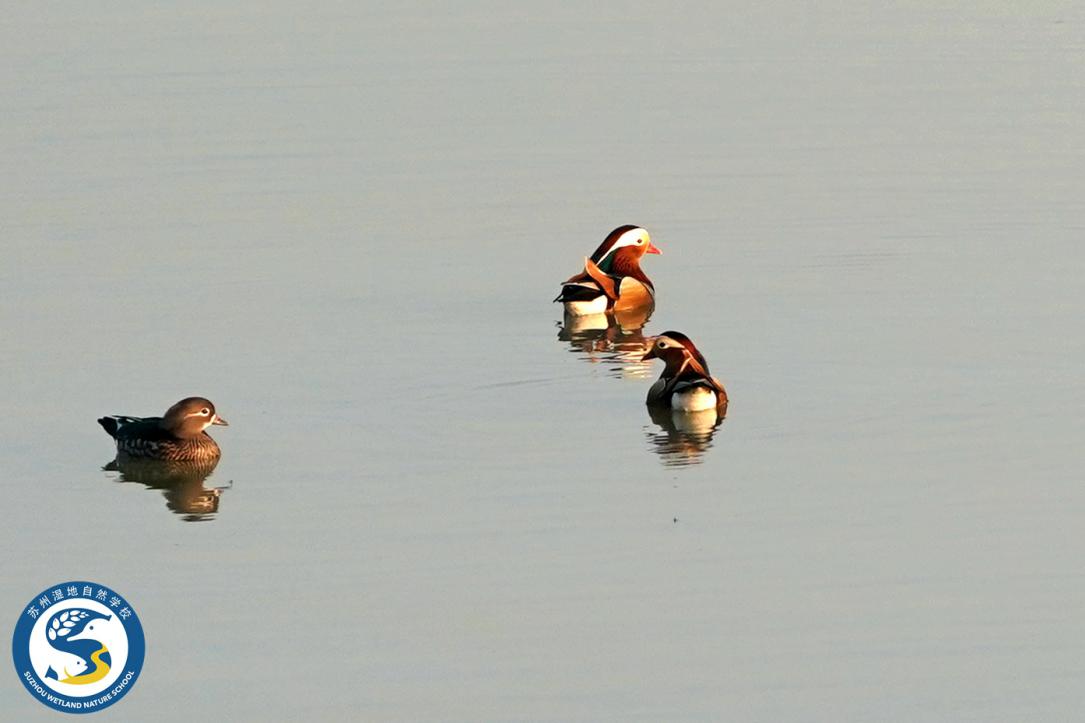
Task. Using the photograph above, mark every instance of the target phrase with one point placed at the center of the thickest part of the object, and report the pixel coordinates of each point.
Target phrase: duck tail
(109, 424)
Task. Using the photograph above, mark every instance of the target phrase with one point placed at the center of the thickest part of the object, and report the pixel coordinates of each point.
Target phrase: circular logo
(78, 647)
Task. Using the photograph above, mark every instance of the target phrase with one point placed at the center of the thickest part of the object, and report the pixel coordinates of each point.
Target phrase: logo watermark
(78, 647)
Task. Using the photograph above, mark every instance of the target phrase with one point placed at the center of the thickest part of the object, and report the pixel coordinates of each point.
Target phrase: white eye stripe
(632, 237)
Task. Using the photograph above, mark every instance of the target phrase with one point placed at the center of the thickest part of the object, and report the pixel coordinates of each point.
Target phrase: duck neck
(677, 366)
(628, 265)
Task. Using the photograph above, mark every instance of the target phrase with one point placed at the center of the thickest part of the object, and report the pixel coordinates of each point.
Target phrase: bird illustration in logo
(77, 625)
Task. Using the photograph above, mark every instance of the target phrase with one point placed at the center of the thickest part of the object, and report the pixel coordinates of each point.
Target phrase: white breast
(694, 399)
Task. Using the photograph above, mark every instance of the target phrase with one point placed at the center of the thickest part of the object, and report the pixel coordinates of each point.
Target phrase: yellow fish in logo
(100, 671)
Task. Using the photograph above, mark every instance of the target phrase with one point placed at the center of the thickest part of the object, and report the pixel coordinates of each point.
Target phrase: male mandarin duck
(178, 435)
(612, 279)
(686, 384)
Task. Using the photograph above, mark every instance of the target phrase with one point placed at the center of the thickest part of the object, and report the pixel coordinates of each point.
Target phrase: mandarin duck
(177, 435)
(612, 279)
(686, 384)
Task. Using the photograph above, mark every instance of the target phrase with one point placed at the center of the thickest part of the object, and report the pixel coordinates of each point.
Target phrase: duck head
(622, 249)
(190, 417)
(677, 351)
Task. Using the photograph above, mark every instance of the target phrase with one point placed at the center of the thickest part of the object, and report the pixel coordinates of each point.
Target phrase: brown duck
(177, 435)
(612, 279)
(686, 383)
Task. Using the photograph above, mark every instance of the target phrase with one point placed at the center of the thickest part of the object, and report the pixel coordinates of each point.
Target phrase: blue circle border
(20, 650)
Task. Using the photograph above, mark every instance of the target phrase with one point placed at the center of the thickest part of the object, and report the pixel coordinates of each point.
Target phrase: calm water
(436, 502)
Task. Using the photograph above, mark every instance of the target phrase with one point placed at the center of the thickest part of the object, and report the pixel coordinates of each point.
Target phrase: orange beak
(652, 249)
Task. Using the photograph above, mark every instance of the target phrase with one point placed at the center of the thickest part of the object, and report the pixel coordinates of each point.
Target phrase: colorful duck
(686, 384)
(612, 279)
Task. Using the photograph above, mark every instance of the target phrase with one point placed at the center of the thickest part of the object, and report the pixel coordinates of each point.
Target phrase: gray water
(344, 225)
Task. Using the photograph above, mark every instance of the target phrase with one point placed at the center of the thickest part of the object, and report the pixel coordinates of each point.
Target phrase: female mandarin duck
(612, 279)
(176, 436)
(686, 384)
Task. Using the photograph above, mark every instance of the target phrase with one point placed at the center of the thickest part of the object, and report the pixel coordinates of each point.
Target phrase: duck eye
(661, 344)
(205, 411)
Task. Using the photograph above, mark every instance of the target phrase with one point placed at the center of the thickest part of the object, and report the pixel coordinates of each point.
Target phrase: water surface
(436, 501)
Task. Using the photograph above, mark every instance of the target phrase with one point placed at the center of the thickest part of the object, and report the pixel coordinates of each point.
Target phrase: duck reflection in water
(615, 339)
(683, 438)
(181, 483)
(687, 402)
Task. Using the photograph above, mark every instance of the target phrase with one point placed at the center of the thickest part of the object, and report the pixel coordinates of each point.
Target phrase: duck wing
(122, 427)
(579, 291)
(608, 284)
(591, 283)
